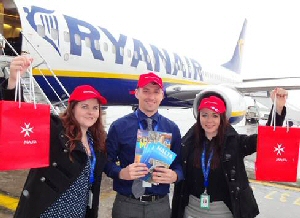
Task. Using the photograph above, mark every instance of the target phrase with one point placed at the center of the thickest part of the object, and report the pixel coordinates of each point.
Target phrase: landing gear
(251, 121)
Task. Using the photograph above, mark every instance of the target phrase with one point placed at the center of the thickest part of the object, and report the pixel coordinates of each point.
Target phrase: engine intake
(234, 101)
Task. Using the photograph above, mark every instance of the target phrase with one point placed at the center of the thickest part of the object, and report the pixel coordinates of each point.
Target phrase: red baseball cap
(85, 92)
(147, 78)
(213, 103)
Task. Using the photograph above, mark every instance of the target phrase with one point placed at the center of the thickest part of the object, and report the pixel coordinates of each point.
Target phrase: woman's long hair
(73, 131)
(216, 143)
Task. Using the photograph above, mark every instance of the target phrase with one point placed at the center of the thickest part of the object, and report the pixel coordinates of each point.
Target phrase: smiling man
(135, 198)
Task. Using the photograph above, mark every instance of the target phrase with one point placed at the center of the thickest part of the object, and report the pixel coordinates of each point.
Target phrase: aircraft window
(77, 39)
(66, 36)
(122, 51)
(87, 42)
(113, 49)
(105, 46)
(54, 34)
(97, 45)
(135, 55)
(40, 30)
(129, 53)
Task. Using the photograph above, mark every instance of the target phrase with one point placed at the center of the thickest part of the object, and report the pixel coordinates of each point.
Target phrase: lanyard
(206, 169)
(93, 158)
(140, 124)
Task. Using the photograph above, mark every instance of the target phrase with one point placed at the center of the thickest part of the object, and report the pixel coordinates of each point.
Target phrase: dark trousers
(125, 207)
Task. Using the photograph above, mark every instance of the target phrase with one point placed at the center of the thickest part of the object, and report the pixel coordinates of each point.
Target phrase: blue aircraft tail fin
(235, 63)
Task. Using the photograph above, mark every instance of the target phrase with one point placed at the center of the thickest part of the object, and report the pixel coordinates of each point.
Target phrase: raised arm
(281, 96)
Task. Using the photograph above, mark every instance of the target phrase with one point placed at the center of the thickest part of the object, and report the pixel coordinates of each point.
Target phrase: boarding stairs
(40, 96)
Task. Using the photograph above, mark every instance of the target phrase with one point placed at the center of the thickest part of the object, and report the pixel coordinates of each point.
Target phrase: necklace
(86, 148)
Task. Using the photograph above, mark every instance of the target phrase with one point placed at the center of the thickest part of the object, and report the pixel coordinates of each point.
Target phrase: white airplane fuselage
(80, 52)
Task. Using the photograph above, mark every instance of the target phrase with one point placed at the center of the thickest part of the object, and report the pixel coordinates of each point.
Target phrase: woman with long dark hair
(216, 182)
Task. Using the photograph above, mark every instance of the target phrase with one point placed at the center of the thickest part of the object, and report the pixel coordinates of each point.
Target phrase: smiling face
(150, 97)
(86, 113)
(210, 122)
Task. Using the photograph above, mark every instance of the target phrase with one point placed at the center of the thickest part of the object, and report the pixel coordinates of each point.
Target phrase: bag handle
(273, 120)
(18, 88)
(31, 87)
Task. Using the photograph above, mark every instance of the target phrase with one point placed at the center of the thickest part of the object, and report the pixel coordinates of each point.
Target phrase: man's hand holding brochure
(153, 149)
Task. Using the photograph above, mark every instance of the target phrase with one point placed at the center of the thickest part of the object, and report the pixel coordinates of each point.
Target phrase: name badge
(146, 184)
(90, 204)
(204, 201)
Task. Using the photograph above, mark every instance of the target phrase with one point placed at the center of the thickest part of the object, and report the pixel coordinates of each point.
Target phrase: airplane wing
(268, 84)
(188, 92)
(185, 93)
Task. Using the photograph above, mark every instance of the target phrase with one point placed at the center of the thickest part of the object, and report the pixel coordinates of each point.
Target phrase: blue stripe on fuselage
(115, 93)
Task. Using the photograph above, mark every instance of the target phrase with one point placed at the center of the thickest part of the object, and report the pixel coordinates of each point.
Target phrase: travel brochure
(153, 149)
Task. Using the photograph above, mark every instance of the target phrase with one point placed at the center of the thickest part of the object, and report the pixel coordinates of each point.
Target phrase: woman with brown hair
(70, 185)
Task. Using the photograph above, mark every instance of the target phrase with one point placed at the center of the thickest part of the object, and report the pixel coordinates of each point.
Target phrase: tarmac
(11, 183)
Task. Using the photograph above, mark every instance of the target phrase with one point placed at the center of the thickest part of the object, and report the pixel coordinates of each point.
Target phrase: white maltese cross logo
(279, 149)
(27, 129)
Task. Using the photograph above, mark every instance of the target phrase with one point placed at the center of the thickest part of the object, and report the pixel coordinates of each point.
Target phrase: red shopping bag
(277, 154)
(24, 135)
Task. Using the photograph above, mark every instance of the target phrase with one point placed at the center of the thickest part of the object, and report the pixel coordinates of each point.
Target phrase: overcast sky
(208, 30)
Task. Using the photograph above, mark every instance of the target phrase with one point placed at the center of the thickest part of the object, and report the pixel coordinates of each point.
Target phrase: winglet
(235, 63)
